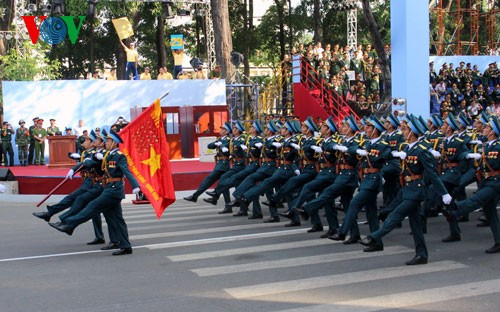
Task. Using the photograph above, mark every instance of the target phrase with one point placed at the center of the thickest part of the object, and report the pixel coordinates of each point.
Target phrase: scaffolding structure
(465, 27)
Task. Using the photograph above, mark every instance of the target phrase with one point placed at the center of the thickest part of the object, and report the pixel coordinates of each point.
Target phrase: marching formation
(421, 167)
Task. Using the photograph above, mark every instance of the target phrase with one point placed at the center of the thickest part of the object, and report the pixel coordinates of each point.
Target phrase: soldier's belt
(287, 162)
(111, 180)
(308, 162)
(450, 165)
(371, 170)
(222, 157)
(327, 165)
(346, 167)
(252, 159)
(491, 174)
(413, 177)
(266, 159)
(87, 175)
(238, 158)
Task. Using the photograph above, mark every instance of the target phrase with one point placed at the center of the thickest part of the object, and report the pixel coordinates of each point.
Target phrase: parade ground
(194, 259)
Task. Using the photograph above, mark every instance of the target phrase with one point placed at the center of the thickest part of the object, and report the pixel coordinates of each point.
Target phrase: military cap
(273, 127)
(374, 121)
(423, 123)
(311, 124)
(113, 135)
(452, 122)
(5, 122)
(40, 120)
(68, 128)
(35, 119)
(415, 125)
(289, 126)
(92, 135)
(436, 120)
(297, 126)
(258, 127)
(352, 123)
(97, 129)
(227, 126)
(239, 126)
(331, 124)
(363, 120)
(21, 121)
(483, 118)
(463, 120)
(494, 124)
(104, 134)
(52, 119)
(393, 120)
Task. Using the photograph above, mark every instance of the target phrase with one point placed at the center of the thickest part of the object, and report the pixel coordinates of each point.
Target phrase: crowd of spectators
(465, 89)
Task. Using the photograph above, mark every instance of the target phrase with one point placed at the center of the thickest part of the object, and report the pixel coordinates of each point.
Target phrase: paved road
(196, 260)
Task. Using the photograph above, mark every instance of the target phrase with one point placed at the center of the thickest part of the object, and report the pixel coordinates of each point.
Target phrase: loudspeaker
(6, 175)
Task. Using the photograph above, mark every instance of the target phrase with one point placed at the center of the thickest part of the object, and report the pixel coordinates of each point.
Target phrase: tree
(222, 33)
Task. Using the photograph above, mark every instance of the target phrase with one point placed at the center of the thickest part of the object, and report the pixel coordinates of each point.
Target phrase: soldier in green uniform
(53, 129)
(346, 180)
(8, 152)
(417, 162)
(308, 152)
(392, 167)
(373, 153)
(253, 153)
(22, 142)
(39, 134)
(109, 202)
(270, 152)
(286, 170)
(222, 145)
(238, 151)
(489, 187)
(31, 150)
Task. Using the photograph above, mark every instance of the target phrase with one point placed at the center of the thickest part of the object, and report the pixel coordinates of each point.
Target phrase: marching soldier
(6, 134)
(417, 162)
(221, 161)
(109, 202)
(392, 167)
(373, 153)
(254, 150)
(22, 142)
(285, 171)
(487, 194)
(238, 151)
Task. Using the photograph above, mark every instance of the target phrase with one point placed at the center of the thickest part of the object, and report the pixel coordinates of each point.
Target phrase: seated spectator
(145, 75)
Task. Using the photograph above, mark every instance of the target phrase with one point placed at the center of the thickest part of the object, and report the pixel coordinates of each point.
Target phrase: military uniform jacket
(115, 166)
(435, 138)
(288, 152)
(329, 154)
(490, 164)
(7, 134)
(378, 151)
(269, 150)
(419, 161)
(52, 130)
(254, 151)
(453, 159)
(88, 162)
(308, 152)
(22, 136)
(31, 128)
(237, 152)
(394, 139)
(225, 140)
(40, 133)
(348, 177)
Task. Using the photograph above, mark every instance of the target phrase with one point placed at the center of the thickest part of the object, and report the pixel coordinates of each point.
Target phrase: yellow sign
(123, 28)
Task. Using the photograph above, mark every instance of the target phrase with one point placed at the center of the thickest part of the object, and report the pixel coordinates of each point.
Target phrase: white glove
(361, 152)
(436, 154)
(297, 172)
(475, 156)
(99, 156)
(382, 180)
(243, 147)
(475, 142)
(447, 199)
(224, 149)
(277, 144)
(258, 145)
(70, 173)
(401, 155)
(136, 190)
(296, 146)
(74, 156)
(340, 148)
(317, 149)
(218, 143)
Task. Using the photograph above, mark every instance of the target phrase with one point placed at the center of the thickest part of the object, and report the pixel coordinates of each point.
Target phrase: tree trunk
(5, 22)
(160, 42)
(281, 21)
(223, 39)
(318, 35)
(379, 47)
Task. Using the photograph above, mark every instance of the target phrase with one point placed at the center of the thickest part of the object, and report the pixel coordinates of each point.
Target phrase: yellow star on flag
(154, 161)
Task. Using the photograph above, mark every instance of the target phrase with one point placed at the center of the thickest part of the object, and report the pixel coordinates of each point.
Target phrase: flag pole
(165, 95)
(58, 186)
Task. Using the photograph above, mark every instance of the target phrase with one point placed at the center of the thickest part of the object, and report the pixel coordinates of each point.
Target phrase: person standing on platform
(132, 60)
(178, 55)
(40, 134)
(8, 152)
(31, 150)
(109, 202)
(22, 142)
(221, 145)
(53, 129)
(417, 162)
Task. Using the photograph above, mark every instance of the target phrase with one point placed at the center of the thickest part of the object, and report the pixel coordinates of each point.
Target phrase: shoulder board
(384, 142)
(427, 141)
(119, 153)
(422, 146)
(459, 139)
(399, 132)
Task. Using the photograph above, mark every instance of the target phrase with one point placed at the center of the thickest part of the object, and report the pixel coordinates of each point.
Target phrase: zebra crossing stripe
(340, 279)
(408, 299)
(297, 262)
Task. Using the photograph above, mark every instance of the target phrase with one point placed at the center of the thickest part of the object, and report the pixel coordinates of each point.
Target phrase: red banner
(145, 146)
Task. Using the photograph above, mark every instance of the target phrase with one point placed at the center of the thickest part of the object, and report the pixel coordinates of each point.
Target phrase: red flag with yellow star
(145, 146)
